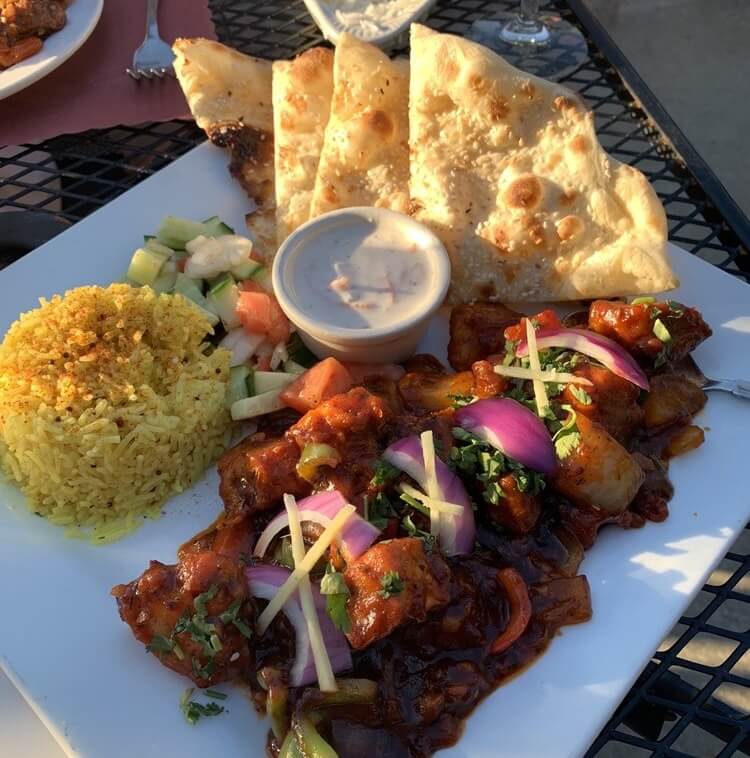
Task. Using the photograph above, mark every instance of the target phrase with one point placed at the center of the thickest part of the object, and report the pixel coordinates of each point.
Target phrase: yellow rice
(110, 401)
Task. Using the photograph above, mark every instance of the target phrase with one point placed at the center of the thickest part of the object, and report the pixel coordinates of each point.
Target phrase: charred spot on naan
(568, 227)
(249, 149)
(525, 192)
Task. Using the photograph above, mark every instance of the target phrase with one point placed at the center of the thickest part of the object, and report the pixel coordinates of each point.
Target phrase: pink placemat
(92, 90)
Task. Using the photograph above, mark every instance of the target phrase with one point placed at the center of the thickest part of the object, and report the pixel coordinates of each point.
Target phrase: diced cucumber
(176, 232)
(222, 299)
(215, 227)
(299, 353)
(145, 266)
(259, 405)
(262, 276)
(237, 387)
(157, 247)
(293, 368)
(188, 288)
(265, 381)
(164, 282)
(245, 270)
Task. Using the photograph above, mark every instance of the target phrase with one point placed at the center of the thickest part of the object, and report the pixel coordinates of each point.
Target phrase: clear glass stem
(529, 11)
(526, 28)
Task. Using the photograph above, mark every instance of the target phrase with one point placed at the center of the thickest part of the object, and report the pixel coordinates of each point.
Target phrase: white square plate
(100, 694)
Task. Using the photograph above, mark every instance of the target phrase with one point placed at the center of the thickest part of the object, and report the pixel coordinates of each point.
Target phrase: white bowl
(395, 33)
(393, 342)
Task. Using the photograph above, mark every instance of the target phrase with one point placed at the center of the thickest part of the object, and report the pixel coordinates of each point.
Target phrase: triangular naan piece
(365, 158)
(302, 91)
(508, 170)
(229, 95)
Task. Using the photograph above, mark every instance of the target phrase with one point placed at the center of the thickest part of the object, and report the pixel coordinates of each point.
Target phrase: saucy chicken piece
(599, 471)
(185, 615)
(613, 401)
(632, 325)
(254, 475)
(486, 382)
(354, 424)
(476, 331)
(516, 511)
(391, 583)
(672, 399)
(434, 391)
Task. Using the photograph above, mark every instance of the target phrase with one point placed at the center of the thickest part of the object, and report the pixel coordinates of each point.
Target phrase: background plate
(83, 16)
(100, 694)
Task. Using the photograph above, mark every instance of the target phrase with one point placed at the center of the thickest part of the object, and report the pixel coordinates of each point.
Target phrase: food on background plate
(302, 90)
(23, 26)
(229, 95)
(508, 170)
(109, 404)
(365, 155)
(413, 540)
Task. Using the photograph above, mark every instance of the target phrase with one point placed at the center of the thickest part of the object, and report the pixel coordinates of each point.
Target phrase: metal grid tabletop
(682, 699)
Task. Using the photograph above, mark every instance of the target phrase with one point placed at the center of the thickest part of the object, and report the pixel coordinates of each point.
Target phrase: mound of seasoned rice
(110, 401)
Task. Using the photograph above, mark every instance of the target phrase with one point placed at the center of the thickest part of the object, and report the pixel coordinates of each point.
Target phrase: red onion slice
(456, 532)
(356, 536)
(511, 428)
(596, 346)
(264, 581)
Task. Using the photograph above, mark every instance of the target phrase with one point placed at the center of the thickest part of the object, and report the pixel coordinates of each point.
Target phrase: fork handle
(152, 24)
(738, 387)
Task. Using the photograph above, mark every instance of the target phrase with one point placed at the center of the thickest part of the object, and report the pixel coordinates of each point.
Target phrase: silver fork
(154, 57)
(737, 387)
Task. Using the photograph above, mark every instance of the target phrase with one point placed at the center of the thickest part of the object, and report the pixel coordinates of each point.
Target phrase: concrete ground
(694, 55)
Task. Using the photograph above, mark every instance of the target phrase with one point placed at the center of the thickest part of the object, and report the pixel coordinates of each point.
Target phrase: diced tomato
(322, 381)
(546, 320)
(180, 264)
(360, 371)
(260, 313)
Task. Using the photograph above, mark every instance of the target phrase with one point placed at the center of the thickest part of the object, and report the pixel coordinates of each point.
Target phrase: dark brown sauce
(432, 675)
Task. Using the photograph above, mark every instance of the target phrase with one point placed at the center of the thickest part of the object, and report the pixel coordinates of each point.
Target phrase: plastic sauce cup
(309, 253)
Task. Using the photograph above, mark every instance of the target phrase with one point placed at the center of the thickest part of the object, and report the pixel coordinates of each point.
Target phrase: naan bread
(508, 170)
(229, 95)
(302, 91)
(365, 157)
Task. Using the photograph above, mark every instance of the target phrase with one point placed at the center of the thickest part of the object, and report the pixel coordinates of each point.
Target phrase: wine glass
(543, 45)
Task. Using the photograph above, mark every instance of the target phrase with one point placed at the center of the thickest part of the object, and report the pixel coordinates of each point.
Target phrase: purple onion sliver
(457, 533)
(264, 581)
(596, 346)
(513, 429)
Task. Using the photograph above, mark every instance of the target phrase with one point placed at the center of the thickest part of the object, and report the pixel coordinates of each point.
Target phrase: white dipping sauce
(361, 275)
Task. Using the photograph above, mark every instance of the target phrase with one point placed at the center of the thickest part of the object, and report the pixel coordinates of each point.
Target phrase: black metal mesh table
(680, 700)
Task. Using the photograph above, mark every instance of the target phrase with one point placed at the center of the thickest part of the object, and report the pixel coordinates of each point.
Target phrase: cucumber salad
(209, 264)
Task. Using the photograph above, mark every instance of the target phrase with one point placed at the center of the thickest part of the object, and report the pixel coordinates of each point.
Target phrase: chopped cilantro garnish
(567, 437)
(477, 458)
(580, 394)
(333, 586)
(193, 711)
(392, 584)
(202, 672)
(283, 553)
(160, 644)
(204, 598)
(384, 472)
(675, 309)
(414, 503)
(215, 694)
(459, 401)
(414, 531)
(229, 616)
(378, 510)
